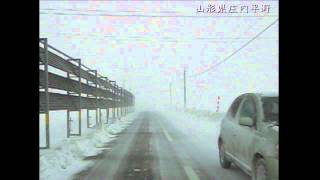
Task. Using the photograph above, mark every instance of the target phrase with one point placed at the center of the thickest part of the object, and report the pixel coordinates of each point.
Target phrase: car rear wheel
(260, 170)
(225, 163)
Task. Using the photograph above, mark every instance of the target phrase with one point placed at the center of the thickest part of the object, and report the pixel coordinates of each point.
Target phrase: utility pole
(171, 94)
(124, 98)
(185, 94)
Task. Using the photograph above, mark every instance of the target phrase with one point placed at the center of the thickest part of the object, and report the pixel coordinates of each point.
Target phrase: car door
(229, 124)
(245, 135)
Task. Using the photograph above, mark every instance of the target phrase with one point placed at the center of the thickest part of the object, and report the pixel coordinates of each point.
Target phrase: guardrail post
(68, 114)
(45, 42)
(96, 83)
(127, 103)
(107, 114)
(88, 111)
(68, 123)
(124, 102)
(115, 100)
(120, 101)
(99, 116)
(80, 92)
(117, 92)
(113, 85)
(107, 108)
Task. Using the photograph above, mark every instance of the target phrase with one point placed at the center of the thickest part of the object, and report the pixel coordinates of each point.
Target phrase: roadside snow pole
(218, 101)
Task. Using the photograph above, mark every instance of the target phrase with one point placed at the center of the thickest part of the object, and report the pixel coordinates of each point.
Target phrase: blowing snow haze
(218, 52)
(146, 45)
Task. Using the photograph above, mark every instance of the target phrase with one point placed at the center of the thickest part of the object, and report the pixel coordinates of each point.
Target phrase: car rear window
(270, 108)
(235, 106)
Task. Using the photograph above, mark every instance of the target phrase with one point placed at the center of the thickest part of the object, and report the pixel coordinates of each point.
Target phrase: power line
(176, 0)
(235, 52)
(99, 10)
(158, 16)
(168, 39)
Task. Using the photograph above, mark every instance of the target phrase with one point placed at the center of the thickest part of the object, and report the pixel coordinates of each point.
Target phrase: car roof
(263, 94)
(268, 94)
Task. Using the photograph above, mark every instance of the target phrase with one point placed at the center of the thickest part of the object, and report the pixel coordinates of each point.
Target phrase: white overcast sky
(145, 53)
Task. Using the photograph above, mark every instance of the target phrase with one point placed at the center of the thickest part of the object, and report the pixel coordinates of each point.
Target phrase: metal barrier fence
(98, 92)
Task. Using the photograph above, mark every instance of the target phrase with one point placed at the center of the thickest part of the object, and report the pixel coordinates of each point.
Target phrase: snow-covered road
(164, 145)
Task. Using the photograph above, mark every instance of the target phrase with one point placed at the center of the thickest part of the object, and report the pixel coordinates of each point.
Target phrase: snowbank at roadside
(61, 161)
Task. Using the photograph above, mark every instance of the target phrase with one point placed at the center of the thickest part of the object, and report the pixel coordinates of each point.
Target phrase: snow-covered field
(65, 157)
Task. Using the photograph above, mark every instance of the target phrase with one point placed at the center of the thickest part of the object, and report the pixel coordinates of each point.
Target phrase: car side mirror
(246, 121)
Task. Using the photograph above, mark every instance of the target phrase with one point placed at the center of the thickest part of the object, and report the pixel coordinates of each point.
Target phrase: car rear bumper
(273, 168)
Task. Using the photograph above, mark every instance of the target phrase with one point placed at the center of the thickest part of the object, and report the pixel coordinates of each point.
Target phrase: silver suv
(249, 135)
